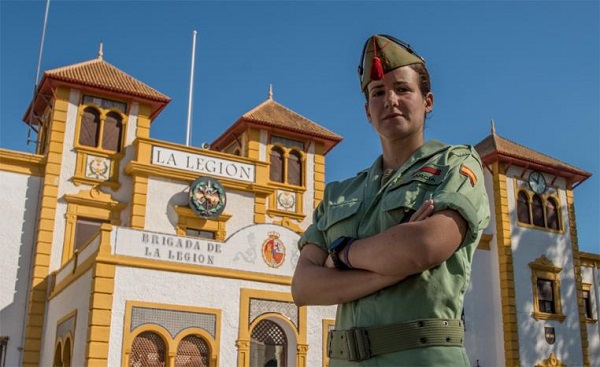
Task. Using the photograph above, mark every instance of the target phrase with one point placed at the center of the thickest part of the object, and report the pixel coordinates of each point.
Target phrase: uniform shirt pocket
(402, 201)
(340, 219)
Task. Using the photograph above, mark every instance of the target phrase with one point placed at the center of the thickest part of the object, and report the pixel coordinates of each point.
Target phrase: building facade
(125, 250)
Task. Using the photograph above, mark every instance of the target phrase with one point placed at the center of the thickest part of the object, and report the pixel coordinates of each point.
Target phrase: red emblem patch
(433, 171)
(466, 171)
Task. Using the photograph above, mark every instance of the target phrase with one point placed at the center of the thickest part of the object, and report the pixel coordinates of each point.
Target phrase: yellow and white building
(107, 262)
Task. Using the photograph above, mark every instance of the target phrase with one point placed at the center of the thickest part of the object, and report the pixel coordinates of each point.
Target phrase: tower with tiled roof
(87, 115)
(294, 146)
(532, 273)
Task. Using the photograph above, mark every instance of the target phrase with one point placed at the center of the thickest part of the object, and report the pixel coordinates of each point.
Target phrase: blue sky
(532, 66)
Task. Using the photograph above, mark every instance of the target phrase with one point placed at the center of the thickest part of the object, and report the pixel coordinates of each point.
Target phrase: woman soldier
(393, 245)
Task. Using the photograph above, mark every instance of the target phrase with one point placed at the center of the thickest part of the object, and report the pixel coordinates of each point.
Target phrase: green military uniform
(361, 207)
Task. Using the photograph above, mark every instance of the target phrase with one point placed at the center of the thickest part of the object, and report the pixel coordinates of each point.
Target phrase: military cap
(381, 54)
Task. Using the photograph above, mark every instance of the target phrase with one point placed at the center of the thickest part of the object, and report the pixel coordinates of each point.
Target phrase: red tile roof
(496, 148)
(100, 74)
(271, 114)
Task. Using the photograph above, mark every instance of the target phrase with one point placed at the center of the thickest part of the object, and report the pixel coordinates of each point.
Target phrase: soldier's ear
(367, 112)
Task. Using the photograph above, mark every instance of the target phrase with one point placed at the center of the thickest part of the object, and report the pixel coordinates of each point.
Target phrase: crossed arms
(379, 261)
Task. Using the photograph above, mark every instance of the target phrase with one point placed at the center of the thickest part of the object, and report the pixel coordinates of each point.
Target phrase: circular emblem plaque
(207, 197)
(273, 250)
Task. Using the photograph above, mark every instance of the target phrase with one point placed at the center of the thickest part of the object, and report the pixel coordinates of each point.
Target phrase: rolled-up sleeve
(463, 190)
(313, 234)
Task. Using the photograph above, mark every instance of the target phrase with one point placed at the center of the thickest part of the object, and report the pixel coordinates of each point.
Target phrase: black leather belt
(358, 344)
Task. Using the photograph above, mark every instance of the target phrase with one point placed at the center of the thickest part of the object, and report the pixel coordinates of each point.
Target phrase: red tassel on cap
(376, 67)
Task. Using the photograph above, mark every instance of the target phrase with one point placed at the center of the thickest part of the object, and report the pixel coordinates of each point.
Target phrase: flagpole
(189, 116)
(37, 74)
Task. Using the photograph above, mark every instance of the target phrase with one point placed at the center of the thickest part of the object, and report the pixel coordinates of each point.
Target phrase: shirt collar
(427, 150)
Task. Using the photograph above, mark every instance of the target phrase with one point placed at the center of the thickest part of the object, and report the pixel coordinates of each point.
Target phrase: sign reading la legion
(202, 163)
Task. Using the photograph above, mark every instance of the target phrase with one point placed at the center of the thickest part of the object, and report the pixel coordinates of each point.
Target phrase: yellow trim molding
(24, 163)
(319, 172)
(101, 305)
(505, 260)
(577, 267)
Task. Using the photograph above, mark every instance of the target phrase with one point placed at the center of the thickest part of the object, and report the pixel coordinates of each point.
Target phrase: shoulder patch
(466, 171)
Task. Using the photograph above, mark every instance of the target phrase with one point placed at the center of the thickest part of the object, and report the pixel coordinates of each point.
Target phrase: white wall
(19, 200)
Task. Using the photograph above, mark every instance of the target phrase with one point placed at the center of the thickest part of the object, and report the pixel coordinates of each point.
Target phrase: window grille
(173, 321)
(294, 168)
(276, 170)
(113, 129)
(148, 350)
(192, 351)
(268, 332)
(268, 344)
(90, 127)
(260, 307)
(105, 103)
(288, 143)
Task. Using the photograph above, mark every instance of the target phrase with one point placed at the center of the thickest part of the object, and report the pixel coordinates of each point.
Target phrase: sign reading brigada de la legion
(202, 163)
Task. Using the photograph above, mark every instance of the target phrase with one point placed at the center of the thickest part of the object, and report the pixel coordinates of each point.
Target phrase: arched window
(276, 172)
(97, 132)
(552, 213)
(148, 350)
(537, 210)
(268, 345)
(90, 127)
(58, 356)
(192, 351)
(66, 359)
(523, 208)
(294, 174)
(111, 136)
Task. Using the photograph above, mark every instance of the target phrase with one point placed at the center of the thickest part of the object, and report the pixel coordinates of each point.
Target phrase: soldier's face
(396, 107)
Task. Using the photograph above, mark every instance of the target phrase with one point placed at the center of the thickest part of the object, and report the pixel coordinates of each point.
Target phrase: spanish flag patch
(466, 171)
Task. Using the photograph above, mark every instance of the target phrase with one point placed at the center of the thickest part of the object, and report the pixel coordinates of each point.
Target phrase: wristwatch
(336, 248)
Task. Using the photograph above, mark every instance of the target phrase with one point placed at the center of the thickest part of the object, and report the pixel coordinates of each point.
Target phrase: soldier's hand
(424, 211)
